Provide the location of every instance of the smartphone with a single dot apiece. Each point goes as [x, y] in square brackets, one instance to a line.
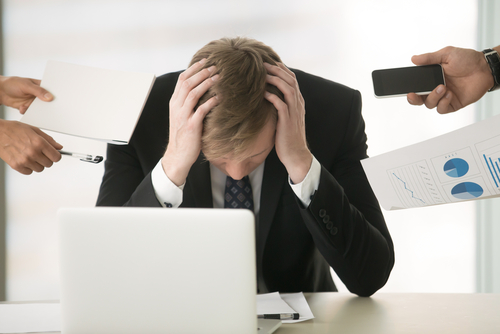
[401, 81]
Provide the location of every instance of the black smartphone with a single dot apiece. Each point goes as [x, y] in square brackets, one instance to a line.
[401, 81]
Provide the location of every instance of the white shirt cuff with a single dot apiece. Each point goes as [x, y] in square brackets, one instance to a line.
[309, 185]
[167, 193]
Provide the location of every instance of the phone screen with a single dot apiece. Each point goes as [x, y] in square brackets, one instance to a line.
[404, 80]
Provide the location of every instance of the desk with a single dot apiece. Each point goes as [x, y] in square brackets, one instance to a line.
[402, 313]
[405, 313]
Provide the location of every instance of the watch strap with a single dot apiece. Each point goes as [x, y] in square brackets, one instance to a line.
[493, 60]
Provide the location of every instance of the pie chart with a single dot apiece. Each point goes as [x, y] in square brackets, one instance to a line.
[467, 190]
[456, 167]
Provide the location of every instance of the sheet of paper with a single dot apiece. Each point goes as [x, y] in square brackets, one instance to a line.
[298, 302]
[273, 303]
[462, 165]
[28, 318]
[90, 102]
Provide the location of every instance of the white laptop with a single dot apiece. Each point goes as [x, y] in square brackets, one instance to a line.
[155, 270]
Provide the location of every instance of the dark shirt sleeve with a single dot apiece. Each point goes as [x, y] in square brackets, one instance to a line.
[344, 216]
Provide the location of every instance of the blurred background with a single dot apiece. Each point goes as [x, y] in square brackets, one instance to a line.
[445, 248]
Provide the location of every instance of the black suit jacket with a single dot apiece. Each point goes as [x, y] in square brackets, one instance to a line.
[343, 227]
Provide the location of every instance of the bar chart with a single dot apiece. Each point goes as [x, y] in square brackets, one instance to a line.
[489, 153]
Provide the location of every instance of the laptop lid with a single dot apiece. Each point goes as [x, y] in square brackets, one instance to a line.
[155, 270]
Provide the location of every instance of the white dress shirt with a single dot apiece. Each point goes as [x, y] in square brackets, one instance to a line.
[170, 195]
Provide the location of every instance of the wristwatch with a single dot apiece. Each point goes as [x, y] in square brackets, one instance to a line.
[493, 59]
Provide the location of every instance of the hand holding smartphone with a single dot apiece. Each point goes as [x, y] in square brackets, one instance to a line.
[414, 79]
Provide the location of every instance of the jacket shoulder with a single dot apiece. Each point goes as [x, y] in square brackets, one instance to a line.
[315, 86]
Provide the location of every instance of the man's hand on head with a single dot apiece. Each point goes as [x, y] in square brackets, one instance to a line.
[18, 92]
[291, 143]
[186, 124]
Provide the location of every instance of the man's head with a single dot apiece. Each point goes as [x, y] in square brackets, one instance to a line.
[243, 122]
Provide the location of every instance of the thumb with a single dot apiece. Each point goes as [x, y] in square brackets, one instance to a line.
[34, 89]
[428, 58]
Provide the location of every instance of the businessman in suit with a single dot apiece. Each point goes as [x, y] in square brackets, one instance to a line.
[236, 117]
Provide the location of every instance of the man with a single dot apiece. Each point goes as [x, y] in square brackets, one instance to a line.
[237, 111]
[23, 147]
[469, 74]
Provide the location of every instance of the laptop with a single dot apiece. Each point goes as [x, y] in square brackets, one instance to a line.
[156, 270]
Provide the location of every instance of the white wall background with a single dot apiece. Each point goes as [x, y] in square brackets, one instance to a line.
[340, 40]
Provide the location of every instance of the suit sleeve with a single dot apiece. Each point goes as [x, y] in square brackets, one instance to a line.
[124, 183]
[344, 216]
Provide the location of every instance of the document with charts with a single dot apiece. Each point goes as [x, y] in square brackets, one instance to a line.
[462, 165]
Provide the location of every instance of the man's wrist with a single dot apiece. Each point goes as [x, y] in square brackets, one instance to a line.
[167, 193]
[173, 172]
[298, 171]
[493, 60]
[174, 166]
[305, 189]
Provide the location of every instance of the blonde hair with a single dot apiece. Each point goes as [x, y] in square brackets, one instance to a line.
[232, 126]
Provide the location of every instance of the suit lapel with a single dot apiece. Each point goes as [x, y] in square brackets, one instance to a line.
[274, 178]
[198, 190]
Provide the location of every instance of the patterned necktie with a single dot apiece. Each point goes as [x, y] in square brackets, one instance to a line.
[238, 194]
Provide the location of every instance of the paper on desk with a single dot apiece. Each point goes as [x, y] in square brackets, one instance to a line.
[298, 302]
[90, 102]
[459, 166]
[274, 303]
[27, 318]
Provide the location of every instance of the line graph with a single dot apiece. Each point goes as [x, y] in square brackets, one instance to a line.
[411, 191]
[415, 185]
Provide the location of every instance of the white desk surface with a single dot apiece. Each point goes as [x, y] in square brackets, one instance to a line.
[406, 313]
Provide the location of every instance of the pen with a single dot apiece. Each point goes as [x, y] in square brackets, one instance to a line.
[95, 159]
[279, 316]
